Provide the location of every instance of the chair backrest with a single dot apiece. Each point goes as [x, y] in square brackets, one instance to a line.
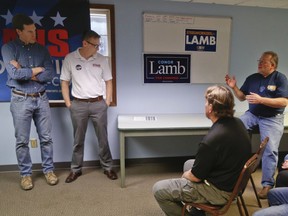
[262, 146]
[260, 152]
[242, 181]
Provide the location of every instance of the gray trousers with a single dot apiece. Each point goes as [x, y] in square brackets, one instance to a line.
[81, 112]
[171, 193]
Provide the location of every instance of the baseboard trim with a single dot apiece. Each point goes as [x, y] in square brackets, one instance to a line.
[173, 161]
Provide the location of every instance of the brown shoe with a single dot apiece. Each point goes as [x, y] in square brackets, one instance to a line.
[73, 176]
[111, 174]
[263, 193]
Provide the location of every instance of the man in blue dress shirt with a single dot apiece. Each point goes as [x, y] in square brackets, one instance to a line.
[29, 68]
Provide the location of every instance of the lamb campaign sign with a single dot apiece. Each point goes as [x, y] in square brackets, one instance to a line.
[166, 68]
[200, 40]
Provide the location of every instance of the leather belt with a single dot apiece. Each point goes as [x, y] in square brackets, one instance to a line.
[37, 94]
[89, 100]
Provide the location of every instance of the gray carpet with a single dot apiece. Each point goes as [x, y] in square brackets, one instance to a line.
[94, 194]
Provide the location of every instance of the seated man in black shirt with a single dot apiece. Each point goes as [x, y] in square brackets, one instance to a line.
[220, 158]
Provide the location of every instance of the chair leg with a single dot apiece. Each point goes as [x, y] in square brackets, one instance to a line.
[239, 207]
[244, 205]
[255, 191]
[183, 209]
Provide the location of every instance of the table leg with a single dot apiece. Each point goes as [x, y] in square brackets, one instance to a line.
[122, 158]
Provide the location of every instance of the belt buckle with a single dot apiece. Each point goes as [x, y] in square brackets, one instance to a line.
[35, 95]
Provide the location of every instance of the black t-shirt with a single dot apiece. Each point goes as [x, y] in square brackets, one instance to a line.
[222, 153]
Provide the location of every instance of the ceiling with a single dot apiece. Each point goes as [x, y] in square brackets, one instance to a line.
[283, 4]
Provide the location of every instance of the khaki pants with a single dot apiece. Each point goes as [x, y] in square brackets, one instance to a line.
[172, 192]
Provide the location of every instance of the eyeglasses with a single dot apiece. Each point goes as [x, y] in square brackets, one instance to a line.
[262, 61]
[95, 45]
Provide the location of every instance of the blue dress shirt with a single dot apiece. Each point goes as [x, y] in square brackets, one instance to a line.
[28, 56]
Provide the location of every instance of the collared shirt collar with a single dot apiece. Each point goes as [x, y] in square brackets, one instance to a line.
[78, 55]
[20, 42]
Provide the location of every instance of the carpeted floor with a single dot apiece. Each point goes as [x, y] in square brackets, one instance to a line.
[93, 194]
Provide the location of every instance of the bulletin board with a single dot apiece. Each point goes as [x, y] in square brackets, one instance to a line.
[205, 39]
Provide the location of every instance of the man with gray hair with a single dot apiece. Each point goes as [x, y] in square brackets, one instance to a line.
[220, 158]
[266, 92]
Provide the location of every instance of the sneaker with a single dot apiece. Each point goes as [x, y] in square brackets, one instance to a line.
[51, 178]
[26, 183]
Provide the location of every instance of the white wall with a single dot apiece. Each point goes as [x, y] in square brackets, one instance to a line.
[254, 30]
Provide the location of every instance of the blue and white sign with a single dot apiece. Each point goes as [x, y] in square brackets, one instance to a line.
[200, 40]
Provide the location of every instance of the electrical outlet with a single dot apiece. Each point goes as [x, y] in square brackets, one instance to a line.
[33, 142]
